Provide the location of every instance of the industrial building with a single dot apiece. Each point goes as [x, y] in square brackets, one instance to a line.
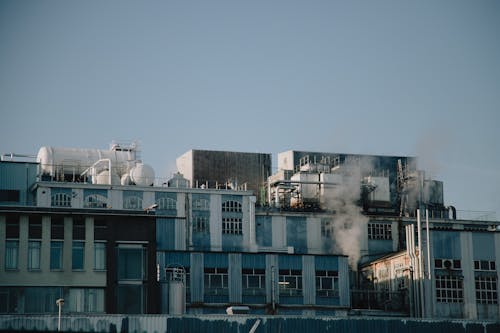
[332, 234]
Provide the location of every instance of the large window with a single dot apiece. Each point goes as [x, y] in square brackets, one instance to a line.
[216, 281]
[99, 256]
[290, 282]
[486, 290]
[60, 200]
[88, 300]
[131, 262]
[11, 254]
[56, 255]
[379, 231]
[132, 202]
[201, 204]
[34, 255]
[253, 281]
[449, 289]
[78, 255]
[131, 298]
[95, 201]
[231, 206]
[232, 225]
[326, 283]
[166, 203]
[201, 224]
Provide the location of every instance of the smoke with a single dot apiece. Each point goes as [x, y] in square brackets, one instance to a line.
[348, 221]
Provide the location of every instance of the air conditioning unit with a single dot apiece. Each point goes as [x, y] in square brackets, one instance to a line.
[448, 263]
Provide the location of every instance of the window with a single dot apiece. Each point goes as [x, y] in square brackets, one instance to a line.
[132, 202]
[290, 282]
[60, 200]
[131, 262]
[232, 225]
[56, 255]
[484, 265]
[99, 256]
[326, 283]
[231, 206]
[326, 228]
[201, 204]
[379, 231]
[253, 281]
[95, 201]
[130, 298]
[34, 255]
[57, 228]
[11, 254]
[216, 281]
[100, 229]
[166, 203]
[201, 224]
[78, 255]
[90, 300]
[35, 228]
[78, 229]
[486, 290]
[449, 289]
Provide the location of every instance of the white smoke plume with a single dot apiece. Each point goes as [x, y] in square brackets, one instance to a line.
[348, 221]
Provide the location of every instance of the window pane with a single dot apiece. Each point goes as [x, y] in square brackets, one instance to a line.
[34, 255]
[131, 264]
[99, 256]
[11, 254]
[78, 255]
[56, 255]
[130, 299]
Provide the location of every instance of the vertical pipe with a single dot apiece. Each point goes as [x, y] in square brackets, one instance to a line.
[428, 241]
[420, 266]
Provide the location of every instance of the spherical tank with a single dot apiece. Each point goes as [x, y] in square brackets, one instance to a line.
[142, 174]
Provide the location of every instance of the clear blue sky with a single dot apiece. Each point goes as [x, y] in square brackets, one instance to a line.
[372, 77]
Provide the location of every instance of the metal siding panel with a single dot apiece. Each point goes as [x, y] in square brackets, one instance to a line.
[289, 261]
[446, 244]
[197, 288]
[216, 260]
[296, 234]
[165, 234]
[309, 280]
[344, 293]
[483, 245]
[235, 287]
[249, 260]
[263, 230]
[327, 262]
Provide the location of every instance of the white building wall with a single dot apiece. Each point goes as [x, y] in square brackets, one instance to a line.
[216, 222]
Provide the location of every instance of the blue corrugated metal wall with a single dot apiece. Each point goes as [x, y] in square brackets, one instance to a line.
[18, 176]
[296, 233]
[446, 244]
[264, 230]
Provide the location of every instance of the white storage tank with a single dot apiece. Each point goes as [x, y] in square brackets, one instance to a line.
[58, 162]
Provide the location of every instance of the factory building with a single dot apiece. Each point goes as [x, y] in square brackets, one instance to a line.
[225, 169]
[332, 234]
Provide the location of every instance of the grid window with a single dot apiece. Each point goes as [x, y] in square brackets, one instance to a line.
[201, 224]
[253, 281]
[56, 255]
[132, 202]
[11, 254]
[216, 281]
[379, 231]
[35, 228]
[34, 255]
[232, 225]
[166, 203]
[326, 228]
[79, 229]
[326, 283]
[290, 282]
[99, 256]
[486, 290]
[201, 204]
[60, 200]
[231, 206]
[449, 289]
[95, 201]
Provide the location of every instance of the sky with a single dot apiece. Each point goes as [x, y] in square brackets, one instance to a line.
[410, 78]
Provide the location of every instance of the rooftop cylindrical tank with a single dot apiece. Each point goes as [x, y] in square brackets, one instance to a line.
[54, 160]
